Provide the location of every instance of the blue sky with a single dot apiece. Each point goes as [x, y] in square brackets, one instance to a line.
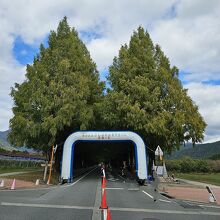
[24, 53]
[188, 32]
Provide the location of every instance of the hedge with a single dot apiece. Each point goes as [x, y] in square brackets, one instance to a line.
[19, 164]
[188, 164]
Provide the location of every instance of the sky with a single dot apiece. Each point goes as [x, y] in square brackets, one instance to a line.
[187, 31]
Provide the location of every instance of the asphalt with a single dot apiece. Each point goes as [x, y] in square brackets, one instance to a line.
[81, 199]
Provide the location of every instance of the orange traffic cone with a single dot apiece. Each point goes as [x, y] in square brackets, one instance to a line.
[108, 215]
[13, 185]
[103, 182]
[103, 202]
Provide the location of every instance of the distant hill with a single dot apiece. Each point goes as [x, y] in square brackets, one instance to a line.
[199, 151]
[4, 144]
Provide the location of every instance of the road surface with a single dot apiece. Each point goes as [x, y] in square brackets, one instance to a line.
[81, 200]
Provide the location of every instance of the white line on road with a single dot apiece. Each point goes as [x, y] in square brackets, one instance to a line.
[46, 188]
[121, 177]
[165, 211]
[115, 188]
[113, 209]
[133, 189]
[210, 206]
[148, 194]
[80, 178]
[163, 200]
[46, 206]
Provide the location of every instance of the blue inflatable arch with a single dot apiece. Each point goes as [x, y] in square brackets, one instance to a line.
[68, 150]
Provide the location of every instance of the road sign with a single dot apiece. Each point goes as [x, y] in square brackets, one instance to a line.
[158, 151]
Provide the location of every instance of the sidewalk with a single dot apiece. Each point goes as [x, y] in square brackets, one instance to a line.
[199, 183]
[20, 184]
[192, 191]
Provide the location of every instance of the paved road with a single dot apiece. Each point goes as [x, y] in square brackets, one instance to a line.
[81, 200]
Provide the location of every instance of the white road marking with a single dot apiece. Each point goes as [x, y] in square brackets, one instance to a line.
[148, 194]
[112, 179]
[46, 188]
[46, 206]
[72, 184]
[210, 206]
[133, 189]
[121, 177]
[113, 209]
[115, 188]
[163, 200]
[165, 211]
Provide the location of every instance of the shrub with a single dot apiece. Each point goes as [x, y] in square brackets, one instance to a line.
[188, 165]
[19, 164]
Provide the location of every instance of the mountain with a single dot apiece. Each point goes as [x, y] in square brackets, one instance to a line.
[199, 151]
[3, 138]
[4, 142]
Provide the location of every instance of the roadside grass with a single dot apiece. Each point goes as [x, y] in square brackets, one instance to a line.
[210, 178]
[16, 169]
[33, 175]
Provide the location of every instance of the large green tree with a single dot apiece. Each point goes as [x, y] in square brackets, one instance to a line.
[59, 94]
[146, 96]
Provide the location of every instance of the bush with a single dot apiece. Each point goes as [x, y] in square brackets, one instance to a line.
[19, 164]
[215, 164]
[188, 165]
[173, 165]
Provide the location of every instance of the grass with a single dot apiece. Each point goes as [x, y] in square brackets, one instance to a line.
[210, 178]
[33, 176]
[16, 169]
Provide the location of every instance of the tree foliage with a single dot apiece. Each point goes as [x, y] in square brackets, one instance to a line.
[146, 96]
[62, 93]
[59, 94]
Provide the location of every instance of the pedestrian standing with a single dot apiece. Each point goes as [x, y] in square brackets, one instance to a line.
[155, 185]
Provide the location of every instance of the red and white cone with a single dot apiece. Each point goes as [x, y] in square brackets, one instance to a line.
[37, 182]
[104, 202]
[108, 215]
[104, 182]
[2, 184]
[13, 185]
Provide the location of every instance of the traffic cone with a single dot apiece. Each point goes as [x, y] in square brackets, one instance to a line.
[2, 183]
[211, 199]
[37, 182]
[103, 182]
[108, 215]
[13, 185]
[103, 202]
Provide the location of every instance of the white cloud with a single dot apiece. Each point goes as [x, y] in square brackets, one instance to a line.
[208, 99]
[192, 38]
[188, 32]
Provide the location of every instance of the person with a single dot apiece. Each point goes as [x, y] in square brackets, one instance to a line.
[155, 185]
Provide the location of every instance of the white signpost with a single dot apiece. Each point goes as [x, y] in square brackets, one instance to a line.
[161, 170]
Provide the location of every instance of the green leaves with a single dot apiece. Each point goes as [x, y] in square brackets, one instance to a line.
[59, 93]
[147, 96]
[62, 93]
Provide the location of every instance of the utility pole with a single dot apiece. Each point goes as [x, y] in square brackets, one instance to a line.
[51, 163]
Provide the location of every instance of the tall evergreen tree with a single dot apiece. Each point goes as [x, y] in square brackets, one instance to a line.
[59, 94]
[146, 96]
